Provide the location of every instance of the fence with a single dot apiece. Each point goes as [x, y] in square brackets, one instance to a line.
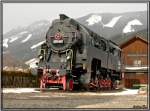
[16, 79]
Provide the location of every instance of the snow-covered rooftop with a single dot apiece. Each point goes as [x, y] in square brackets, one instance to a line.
[32, 62]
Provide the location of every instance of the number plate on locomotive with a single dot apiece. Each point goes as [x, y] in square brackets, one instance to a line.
[57, 41]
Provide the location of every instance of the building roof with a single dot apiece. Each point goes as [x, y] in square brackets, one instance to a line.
[133, 38]
[120, 39]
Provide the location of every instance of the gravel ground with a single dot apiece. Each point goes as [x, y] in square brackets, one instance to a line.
[58, 99]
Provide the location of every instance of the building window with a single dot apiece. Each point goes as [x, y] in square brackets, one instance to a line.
[137, 62]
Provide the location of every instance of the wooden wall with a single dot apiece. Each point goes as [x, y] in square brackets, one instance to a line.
[135, 78]
[135, 49]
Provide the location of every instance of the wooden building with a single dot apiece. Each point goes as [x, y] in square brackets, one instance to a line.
[135, 61]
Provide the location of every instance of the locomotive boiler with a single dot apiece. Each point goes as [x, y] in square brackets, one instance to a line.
[74, 57]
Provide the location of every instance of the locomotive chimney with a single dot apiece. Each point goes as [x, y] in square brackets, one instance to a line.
[63, 17]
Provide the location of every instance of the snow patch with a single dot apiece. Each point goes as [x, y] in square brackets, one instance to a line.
[6, 67]
[37, 45]
[112, 22]
[94, 19]
[125, 92]
[5, 43]
[19, 90]
[40, 96]
[129, 28]
[45, 96]
[40, 24]
[24, 32]
[26, 39]
[5, 52]
[13, 39]
[32, 62]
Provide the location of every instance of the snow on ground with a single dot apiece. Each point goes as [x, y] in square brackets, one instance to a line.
[94, 19]
[37, 45]
[27, 38]
[19, 90]
[129, 28]
[44, 96]
[13, 39]
[50, 96]
[125, 92]
[112, 22]
[30, 90]
[5, 43]
[5, 67]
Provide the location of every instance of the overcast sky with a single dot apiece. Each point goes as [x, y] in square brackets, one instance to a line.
[21, 14]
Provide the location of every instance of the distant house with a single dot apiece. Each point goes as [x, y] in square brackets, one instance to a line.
[134, 58]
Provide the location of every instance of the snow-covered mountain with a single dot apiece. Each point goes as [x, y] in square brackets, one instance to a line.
[21, 45]
[109, 25]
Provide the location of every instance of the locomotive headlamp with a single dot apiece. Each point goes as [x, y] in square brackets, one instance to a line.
[68, 57]
[41, 57]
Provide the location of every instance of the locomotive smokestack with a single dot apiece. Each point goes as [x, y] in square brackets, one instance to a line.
[63, 17]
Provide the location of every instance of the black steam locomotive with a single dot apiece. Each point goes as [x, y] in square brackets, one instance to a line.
[75, 57]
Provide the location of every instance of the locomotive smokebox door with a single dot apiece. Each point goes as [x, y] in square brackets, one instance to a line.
[58, 38]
